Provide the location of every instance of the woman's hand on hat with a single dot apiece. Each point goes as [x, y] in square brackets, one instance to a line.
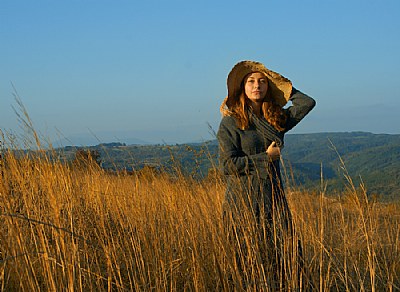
[273, 151]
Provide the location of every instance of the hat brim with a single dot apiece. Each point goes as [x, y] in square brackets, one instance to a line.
[279, 86]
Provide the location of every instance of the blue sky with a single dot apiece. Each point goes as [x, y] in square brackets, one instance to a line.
[156, 70]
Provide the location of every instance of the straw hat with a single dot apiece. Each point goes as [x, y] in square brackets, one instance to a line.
[280, 87]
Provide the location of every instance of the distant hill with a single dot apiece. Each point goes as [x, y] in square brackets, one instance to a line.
[85, 139]
[375, 158]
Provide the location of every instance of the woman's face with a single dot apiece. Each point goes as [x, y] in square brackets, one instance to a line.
[256, 87]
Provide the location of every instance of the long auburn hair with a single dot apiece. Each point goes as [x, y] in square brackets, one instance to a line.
[238, 107]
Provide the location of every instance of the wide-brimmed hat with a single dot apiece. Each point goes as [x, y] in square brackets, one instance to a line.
[280, 87]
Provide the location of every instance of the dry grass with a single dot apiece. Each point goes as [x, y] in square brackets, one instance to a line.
[85, 230]
[74, 228]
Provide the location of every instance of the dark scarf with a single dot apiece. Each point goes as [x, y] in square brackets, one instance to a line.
[267, 131]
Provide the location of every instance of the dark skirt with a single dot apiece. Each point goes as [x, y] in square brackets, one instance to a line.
[259, 226]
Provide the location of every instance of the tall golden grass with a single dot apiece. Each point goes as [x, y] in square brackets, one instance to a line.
[64, 228]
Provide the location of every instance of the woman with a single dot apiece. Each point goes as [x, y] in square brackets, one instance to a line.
[251, 136]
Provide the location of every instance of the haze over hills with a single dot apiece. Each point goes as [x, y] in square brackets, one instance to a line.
[164, 135]
[373, 159]
[92, 140]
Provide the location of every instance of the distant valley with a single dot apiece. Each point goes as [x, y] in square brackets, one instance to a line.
[313, 161]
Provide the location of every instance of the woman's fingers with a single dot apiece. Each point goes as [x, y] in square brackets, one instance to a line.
[273, 151]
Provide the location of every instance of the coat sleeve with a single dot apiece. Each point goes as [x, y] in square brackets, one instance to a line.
[233, 161]
[302, 104]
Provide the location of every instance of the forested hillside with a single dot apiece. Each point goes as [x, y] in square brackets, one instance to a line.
[372, 158]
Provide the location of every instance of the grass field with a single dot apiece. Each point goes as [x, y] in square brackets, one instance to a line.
[70, 228]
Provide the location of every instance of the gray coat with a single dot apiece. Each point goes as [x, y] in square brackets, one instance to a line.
[252, 181]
